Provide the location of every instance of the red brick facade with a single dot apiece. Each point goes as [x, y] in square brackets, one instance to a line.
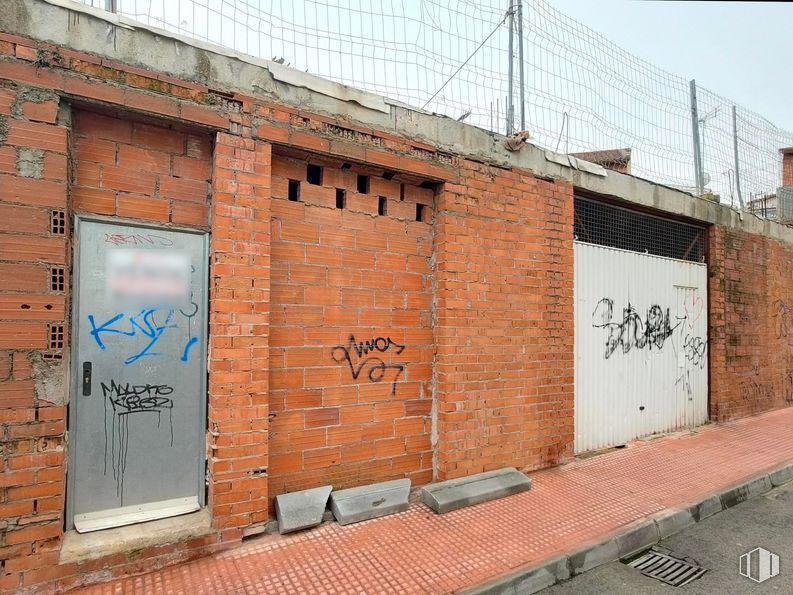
[751, 324]
[504, 329]
[351, 332]
[378, 308]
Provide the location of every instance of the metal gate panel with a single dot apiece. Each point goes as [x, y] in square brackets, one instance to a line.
[137, 410]
[640, 345]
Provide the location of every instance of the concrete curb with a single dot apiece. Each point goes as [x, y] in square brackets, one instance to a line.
[629, 540]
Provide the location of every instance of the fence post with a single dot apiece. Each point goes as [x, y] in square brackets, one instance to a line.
[110, 5]
[737, 161]
[510, 76]
[695, 137]
[520, 62]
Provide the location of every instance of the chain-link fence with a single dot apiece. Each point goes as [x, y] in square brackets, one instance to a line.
[580, 92]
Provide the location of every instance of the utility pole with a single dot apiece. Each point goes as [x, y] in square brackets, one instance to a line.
[735, 151]
[510, 76]
[520, 63]
[700, 183]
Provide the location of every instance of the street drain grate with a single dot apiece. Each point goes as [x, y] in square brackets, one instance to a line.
[667, 569]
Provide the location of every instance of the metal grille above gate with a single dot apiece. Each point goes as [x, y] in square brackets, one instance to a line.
[616, 227]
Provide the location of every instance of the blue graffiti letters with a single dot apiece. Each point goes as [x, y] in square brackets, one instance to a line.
[149, 323]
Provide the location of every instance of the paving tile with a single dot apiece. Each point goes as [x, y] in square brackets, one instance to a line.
[418, 551]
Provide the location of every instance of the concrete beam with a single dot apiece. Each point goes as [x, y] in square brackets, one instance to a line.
[371, 501]
[301, 510]
[474, 489]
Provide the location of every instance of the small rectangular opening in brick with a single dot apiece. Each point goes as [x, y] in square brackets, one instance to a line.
[314, 174]
[420, 212]
[382, 205]
[363, 184]
[388, 175]
[294, 190]
[401, 192]
[58, 222]
[57, 279]
[56, 335]
[341, 198]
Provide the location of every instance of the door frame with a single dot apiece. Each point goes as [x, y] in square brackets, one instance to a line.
[74, 385]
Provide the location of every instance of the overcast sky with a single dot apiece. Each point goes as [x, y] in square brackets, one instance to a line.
[741, 50]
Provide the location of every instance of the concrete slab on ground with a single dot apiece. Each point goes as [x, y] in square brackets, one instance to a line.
[370, 502]
[301, 510]
[454, 494]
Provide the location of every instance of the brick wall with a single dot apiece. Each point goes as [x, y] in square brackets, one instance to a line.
[750, 325]
[455, 279]
[33, 278]
[787, 167]
[140, 171]
[351, 331]
[504, 329]
[239, 335]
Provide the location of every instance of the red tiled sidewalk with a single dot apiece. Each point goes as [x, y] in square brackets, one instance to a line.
[421, 552]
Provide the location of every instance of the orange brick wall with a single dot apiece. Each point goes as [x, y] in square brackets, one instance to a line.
[239, 318]
[340, 273]
[504, 329]
[751, 324]
[34, 229]
[472, 307]
[140, 171]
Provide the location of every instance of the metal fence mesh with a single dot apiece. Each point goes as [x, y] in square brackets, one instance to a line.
[581, 91]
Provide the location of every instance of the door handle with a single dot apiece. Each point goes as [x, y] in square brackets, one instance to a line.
[87, 379]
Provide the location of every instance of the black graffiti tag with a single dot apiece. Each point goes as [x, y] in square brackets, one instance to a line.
[633, 331]
[694, 349]
[376, 366]
[128, 399]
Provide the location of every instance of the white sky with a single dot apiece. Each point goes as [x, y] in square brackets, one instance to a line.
[741, 50]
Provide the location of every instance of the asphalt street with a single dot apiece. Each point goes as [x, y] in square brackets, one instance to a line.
[717, 544]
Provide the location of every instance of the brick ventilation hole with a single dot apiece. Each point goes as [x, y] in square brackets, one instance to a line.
[363, 184]
[341, 198]
[294, 190]
[382, 205]
[401, 192]
[57, 279]
[420, 212]
[55, 339]
[58, 223]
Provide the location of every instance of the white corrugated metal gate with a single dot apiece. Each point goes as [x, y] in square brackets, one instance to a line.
[640, 345]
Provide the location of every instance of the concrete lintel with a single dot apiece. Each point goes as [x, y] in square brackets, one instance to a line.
[301, 510]
[370, 502]
[458, 493]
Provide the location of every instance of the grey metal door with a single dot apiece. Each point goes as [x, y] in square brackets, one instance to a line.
[137, 406]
